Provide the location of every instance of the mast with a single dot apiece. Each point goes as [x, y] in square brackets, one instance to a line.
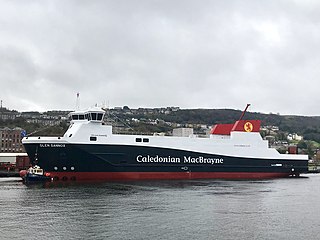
[244, 111]
[78, 101]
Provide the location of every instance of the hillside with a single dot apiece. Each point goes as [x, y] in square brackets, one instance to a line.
[163, 120]
[309, 127]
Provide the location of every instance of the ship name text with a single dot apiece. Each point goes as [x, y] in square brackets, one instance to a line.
[185, 159]
[52, 145]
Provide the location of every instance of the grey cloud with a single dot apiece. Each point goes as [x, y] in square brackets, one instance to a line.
[217, 54]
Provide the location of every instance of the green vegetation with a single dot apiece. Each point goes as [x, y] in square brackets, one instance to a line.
[163, 120]
[309, 127]
[35, 129]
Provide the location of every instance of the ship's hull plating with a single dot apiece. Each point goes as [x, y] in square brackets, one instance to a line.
[126, 162]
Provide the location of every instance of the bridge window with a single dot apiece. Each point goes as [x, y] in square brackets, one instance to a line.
[100, 115]
[93, 116]
[78, 117]
[75, 117]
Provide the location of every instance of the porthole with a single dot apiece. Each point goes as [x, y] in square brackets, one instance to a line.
[64, 168]
[55, 168]
[72, 168]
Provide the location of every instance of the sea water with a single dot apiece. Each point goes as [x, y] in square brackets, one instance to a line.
[286, 208]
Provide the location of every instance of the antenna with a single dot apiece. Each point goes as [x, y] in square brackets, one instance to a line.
[105, 104]
[78, 101]
[244, 111]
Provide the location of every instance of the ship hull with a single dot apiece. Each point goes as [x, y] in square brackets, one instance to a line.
[128, 162]
[137, 176]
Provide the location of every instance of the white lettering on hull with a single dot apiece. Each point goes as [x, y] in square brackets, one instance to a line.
[52, 145]
[202, 160]
[185, 160]
[157, 159]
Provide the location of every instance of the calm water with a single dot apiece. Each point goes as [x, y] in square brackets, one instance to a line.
[206, 209]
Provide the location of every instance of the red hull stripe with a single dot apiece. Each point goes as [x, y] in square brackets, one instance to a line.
[81, 176]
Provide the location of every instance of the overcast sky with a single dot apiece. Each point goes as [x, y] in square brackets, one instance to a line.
[158, 53]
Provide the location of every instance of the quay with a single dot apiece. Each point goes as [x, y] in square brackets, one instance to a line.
[9, 174]
[12, 163]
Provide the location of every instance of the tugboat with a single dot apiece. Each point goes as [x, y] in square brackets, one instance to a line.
[34, 174]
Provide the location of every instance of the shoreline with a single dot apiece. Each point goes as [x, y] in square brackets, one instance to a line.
[9, 174]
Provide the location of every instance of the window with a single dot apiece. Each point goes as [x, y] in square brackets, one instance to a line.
[93, 116]
[146, 140]
[93, 138]
[138, 140]
[81, 117]
[75, 117]
[100, 115]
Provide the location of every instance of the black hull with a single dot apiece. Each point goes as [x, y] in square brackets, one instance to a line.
[92, 161]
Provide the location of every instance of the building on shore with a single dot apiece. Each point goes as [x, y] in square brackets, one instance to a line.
[14, 161]
[182, 132]
[10, 140]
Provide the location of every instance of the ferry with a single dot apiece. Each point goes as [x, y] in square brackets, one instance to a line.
[89, 150]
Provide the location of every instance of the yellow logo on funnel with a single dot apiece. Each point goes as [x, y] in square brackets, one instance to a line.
[248, 127]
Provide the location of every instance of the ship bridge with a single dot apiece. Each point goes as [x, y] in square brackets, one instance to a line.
[85, 124]
[93, 115]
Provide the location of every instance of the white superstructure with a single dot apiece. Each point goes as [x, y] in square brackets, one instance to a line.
[87, 128]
